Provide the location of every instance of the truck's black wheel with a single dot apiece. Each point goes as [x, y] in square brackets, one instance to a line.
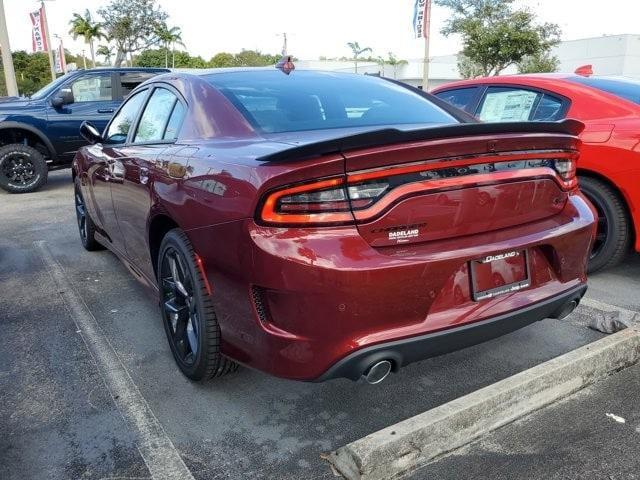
[22, 168]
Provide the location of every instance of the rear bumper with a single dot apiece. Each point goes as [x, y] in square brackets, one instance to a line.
[409, 350]
[296, 302]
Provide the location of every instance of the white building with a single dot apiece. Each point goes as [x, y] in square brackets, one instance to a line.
[609, 55]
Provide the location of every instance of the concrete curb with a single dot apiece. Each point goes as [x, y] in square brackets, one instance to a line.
[405, 446]
[608, 318]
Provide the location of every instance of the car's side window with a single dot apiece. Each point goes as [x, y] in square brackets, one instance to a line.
[92, 88]
[507, 105]
[121, 123]
[462, 98]
[130, 80]
[513, 104]
[549, 109]
[161, 118]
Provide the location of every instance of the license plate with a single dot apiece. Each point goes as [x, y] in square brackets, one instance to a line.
[499, 274]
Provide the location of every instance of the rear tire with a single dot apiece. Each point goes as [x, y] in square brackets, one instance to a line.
[23, 169]
[86, 227]
[188, 316]
[613, 237]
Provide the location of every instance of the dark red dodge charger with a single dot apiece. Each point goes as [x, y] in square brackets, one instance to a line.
[322, 225]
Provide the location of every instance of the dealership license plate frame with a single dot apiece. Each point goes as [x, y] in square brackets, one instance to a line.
[478, 295]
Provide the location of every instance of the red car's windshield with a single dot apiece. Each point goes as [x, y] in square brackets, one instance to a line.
[273, 102]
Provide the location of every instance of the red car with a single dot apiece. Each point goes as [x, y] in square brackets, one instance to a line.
[609, 166]
[322, 225]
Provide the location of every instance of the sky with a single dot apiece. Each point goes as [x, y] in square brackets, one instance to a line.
[320, 28]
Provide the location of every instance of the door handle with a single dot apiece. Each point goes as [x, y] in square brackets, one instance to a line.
[105, 110]
[144, 175]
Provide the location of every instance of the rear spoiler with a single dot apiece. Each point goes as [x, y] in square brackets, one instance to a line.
[389, 136]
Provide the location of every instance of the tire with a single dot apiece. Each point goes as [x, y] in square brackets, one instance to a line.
[613, 236]
[86, 227]
[22, 168]
[187, 311]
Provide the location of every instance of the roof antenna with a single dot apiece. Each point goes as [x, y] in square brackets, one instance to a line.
[286, 64]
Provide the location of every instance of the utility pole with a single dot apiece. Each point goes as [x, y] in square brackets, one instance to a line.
[48, 38]
[7, 59]
[284, 44]
[427, 34]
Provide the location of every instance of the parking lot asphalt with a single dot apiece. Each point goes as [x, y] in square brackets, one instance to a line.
[59, 420]
[577, 438]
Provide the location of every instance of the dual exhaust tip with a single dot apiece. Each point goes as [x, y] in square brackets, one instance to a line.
[377, 372]
[565, 310]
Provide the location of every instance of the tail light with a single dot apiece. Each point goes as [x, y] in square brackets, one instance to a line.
[363, 195]
[566, 169]
[324, 202]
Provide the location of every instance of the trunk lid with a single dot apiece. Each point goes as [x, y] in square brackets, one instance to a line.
[456, 186]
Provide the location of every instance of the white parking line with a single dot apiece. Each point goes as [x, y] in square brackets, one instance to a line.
[155, 447]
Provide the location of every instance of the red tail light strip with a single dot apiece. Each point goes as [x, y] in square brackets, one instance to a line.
[452, 163]
[448, 184]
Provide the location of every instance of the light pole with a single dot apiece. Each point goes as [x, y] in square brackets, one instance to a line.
[48, 38]
[7, 59]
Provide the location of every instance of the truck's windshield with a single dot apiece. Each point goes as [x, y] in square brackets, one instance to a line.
[49, 87]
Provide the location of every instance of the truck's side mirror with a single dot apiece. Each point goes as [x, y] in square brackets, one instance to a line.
[62, 98]
[90, 133]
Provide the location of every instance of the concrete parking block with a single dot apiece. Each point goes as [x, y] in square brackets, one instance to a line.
[405, 446]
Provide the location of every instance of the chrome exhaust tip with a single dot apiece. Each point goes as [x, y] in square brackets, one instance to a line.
[566, 309]
[377, 372]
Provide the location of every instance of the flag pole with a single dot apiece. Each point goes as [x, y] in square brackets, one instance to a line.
[48, 38]
[426, 35]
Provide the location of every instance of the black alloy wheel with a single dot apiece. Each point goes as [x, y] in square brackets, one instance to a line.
[188, 315]
[86, 227]
[613, 234]
[23, 169]
[180, 307]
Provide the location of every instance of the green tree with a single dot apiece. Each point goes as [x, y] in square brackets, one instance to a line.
[132, 25]
[541, 63]
[84, 26]
[105, 51]
[32, 71]
[495, 35]
[395, 62]
[254, 58]
[170, 37]
[222, 59]
[357, 51]
[156, 58]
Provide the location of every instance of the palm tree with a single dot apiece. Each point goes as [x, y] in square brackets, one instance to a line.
[85, 27]
[170, 37]
[395, 63]
[357, 51]
[106, 51]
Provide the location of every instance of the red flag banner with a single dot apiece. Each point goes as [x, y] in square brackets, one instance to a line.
[38, 37]
[421, 18]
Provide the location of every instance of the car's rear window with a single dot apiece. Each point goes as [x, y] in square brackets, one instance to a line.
[274, 102]
[620, 87]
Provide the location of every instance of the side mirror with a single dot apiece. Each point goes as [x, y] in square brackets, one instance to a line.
[62, 98]
[90, 133]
